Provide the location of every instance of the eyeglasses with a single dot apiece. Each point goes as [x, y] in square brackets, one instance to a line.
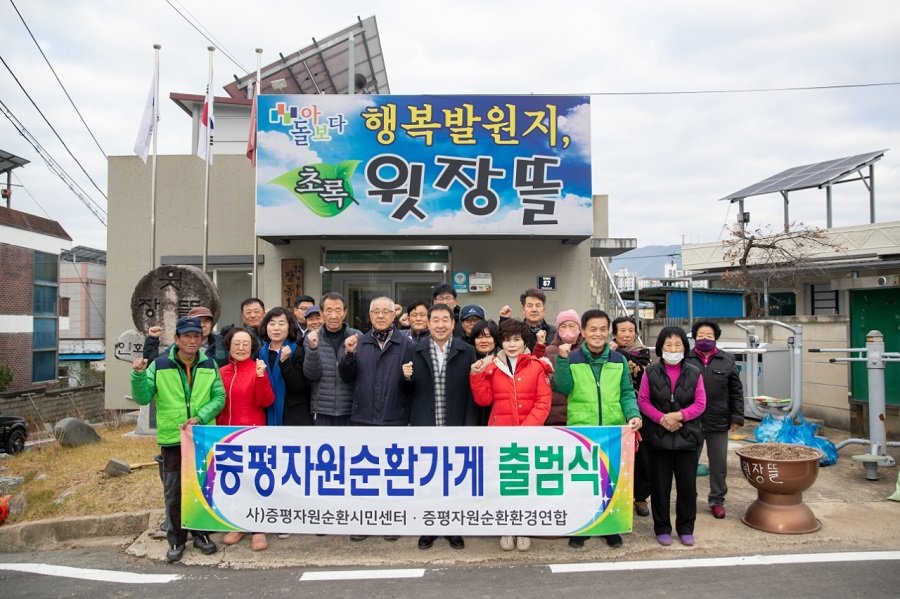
[381, 312]
[444, 298]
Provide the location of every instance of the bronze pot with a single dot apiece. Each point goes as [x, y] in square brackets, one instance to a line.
[780, 482]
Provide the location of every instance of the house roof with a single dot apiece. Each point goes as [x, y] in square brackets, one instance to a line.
[30, 222]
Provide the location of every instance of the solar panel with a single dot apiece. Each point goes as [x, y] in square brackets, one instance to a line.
[322, 67]
[10, 161]
[808, 176]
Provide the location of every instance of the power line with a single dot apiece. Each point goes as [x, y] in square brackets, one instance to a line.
[205, 33]
[34, 199]
[54, 166]
[27, 95]
[47, 60]
[741, 91]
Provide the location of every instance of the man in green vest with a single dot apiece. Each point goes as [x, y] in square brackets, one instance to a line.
[598, 384]
[188, 391]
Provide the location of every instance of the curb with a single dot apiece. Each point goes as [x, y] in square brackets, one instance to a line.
[45, 534]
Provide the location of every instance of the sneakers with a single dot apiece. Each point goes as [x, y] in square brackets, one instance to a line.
[614, 541]
[174, 553]
[507, 543]
[718, 511]
[687, 540]
[641, 509]
[259, 542]
[204, 544]
[523, 543]
[233, 538]
[576, 542]
[664, 540]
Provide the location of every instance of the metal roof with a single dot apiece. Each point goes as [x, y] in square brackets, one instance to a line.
[10, 161]
[81, 253]
[818, 175]
[324, 66]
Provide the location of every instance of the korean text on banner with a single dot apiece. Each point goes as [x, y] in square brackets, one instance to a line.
[424, 165]
[404, 481]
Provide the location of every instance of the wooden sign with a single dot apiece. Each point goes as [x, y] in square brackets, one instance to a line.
[291, 281]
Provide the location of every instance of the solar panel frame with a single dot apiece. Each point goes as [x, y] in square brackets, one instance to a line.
[808, 176]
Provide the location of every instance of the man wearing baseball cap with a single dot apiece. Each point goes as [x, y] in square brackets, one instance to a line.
[188, 390]
[469, 316]
[211, 344]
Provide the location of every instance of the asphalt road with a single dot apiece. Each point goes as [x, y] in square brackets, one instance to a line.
[820, 576]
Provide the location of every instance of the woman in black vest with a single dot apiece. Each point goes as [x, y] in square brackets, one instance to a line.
[672, 399]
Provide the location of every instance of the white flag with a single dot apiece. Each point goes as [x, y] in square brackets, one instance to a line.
[207, 128]
[145, 132]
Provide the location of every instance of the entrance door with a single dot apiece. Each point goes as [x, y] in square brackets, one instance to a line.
[361, 288]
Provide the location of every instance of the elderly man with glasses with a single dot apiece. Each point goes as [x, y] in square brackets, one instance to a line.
[374, 364]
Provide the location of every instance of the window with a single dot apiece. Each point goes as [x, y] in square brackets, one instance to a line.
[45, 339]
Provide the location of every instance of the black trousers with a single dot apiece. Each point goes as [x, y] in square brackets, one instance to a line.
[683, 465]
[171, 476]
[642, 473]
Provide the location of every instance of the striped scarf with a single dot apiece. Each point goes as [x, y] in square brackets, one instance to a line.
[440, 382]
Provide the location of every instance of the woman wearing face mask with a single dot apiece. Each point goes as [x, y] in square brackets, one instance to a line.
[568, 330]
[248, 393]
[724, 406]
[672, 399]
[517, 385]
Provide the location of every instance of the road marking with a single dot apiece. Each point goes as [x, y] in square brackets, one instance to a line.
[90, 574]
[362, 574]
[714, 562]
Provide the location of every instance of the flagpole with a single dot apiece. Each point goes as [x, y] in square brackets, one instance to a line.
[209, 134]
[155, 121]
[255, 98]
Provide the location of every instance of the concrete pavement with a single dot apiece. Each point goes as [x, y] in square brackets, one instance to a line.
[855, 516]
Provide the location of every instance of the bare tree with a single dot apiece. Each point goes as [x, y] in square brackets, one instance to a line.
[762, 256]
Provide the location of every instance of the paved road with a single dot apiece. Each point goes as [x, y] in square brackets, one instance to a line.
[74, 572]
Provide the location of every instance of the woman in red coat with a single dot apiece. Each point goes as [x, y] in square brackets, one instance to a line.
[516, 384]
[248, 393]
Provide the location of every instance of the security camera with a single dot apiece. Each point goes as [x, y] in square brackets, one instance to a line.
[881, 281]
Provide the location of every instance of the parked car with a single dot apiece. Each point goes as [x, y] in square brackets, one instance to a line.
[13, 432]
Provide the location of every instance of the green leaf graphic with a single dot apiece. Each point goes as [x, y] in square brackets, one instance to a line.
[299, 182]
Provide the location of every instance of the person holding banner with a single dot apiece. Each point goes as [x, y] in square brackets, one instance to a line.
[248, 393]
[517, 385]
[373, 364]
[598, 385]
[673, 399]
[188, 390]
[626, 342]
[436, 376]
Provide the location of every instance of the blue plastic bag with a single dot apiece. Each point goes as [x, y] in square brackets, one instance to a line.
[767, 429]
[804, 433]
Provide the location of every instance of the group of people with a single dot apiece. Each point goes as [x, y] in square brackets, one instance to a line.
[439, 364]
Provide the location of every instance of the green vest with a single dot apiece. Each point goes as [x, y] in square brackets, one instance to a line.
[596, 389]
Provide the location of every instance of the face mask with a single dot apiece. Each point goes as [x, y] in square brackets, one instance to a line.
[705, 345]
[673, 357]
[568, 336]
